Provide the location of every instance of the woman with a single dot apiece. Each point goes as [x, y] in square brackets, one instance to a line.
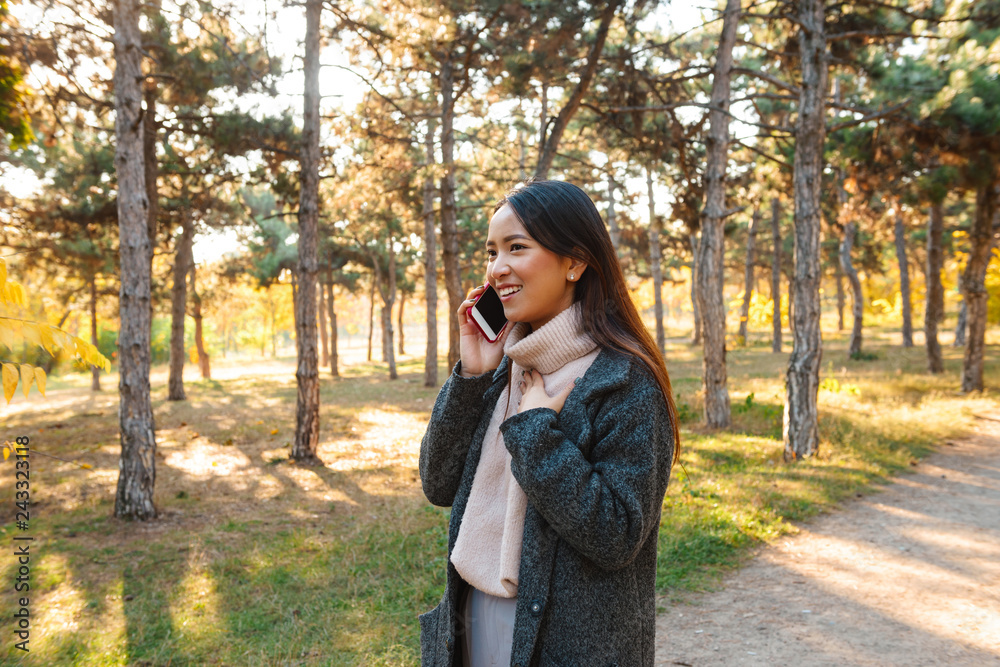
[553, 446]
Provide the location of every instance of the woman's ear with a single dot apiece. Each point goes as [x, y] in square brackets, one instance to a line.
[575, 270]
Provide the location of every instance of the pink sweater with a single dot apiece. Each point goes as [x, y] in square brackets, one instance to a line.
[487, 551]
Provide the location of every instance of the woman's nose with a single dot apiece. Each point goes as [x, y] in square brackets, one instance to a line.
[498, 267]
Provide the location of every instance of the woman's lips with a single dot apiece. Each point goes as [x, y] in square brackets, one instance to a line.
[510, 296]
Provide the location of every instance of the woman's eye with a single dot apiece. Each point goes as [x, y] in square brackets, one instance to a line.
[491, 253]
[517, 246]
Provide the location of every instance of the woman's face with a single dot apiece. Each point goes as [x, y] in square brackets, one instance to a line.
[533, 282]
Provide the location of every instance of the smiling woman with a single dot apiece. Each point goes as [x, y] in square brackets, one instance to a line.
[534, 283]
[553, 446]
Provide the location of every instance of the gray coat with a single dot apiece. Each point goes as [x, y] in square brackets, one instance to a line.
[595, 476]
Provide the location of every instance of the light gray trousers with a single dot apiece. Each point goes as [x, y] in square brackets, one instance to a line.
[488, 629]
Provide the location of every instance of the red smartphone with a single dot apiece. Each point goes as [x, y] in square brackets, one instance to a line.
[487, 314]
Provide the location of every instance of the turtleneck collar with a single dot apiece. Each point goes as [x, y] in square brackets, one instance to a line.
[555, 344]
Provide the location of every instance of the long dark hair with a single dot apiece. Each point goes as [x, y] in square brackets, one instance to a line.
[562, 218]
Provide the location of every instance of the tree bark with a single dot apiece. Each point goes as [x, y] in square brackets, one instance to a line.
[449, 222]
[307, 370]
[800, 429]
[95, 372]
[332, 313]
[962, 326]
[695, 308]
[178, 300]
[974, 286]
[137, 466]
[711, 248]
[899, 232]
[748, 281]
[655, 256]
[838, 274]
[552, 138]
[387, 290]
[324, 343]
[857, 299]
[934, 303]
[430, 265]
[776, 275]
[199, 340]
[616, 236]
[152, 165]
[399, 321]
[371, 315]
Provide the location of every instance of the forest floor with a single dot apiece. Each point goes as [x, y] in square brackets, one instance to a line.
[909, 576]
[256, 561]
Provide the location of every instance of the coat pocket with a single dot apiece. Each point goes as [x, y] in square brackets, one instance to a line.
[429, 644]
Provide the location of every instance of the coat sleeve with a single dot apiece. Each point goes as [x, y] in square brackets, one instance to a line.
[456, 414]
[607, 506]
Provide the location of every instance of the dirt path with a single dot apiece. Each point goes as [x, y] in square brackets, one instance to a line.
[909, 576]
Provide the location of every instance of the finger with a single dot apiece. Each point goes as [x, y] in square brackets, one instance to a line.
[567, 389]
[470, 301]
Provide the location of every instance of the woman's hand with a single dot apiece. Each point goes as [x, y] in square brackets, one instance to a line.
[533, 393]
[478, 354]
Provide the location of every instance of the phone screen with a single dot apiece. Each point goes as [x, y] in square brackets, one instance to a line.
[488, 314]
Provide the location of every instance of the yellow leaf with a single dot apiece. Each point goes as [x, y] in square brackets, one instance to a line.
[13, 293]
[31, 333]
[27, 377]
[274, 432]
[9, 381]
[6, 453]
[40, 380]
[10, 332]
[48, 341]
[3, 272]
[86, 466]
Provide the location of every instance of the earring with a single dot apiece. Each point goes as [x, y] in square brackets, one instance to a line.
[571, 276]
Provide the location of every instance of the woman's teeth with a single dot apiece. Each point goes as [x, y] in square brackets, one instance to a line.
[509, 290]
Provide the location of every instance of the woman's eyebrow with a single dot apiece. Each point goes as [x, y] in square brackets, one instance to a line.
[509, 239]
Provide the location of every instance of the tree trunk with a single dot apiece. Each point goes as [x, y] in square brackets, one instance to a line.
[962, 325]
[449, 223]
[371, 316]
[203, 361]
[561, 122]
[307, 370]
[151, 164]
[748, 282]
[655, 264]
[137, 466]
[430, 265]
[711, 248]
[332, 312]
[178, 310]
[974, 286]
[399, 321]
[695, 308]
[934, 304]
[95, 372]
[776, 275]
[324, 343]
[387, 290]
[904, 277]
[616, 236]
[838, 273]
[801, 420]
[857, 298]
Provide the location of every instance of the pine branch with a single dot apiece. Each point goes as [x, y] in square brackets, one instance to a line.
[872, 116]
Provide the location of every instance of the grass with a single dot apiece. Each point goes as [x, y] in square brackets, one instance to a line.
[255, 561]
